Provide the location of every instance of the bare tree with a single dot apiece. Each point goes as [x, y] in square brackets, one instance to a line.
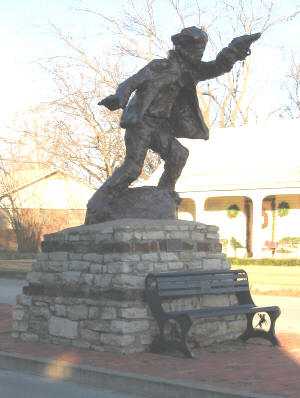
[293, 89]
[26, 223]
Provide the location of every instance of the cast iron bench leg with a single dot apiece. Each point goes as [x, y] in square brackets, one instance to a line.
[159, 344]
[268, 335]
[177, 338]
[185, 325]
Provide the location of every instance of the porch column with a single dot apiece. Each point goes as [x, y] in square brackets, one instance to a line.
[257, 232]
[200, 210]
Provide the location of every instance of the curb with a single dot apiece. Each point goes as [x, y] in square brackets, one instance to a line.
[130, 383]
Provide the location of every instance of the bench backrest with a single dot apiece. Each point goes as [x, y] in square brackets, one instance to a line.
[183, 284]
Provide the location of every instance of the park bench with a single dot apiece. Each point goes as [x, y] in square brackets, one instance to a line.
[175, 285]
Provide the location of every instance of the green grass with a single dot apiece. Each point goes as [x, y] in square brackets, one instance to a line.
[273, 280]
[288, 262]
[15, 268]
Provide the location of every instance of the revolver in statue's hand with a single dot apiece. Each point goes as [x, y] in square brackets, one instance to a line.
[111, 102]
[241, 45]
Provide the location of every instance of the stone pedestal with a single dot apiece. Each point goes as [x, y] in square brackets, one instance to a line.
[86, 288]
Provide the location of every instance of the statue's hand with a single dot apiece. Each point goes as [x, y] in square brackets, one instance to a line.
[118, 100]
[241, 45]
[111, 102]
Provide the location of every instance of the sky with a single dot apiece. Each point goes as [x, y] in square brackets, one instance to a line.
[26, 38]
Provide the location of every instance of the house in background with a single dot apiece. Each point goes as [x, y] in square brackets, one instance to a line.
[58, 197]
[247, 182]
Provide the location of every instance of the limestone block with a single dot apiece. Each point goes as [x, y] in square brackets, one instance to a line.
[221, 300]
[169, 256]
[108, 313]
[34, 277]
[50, 278]
[129, 281]
[212, 263]
[93, 257]
[22, 299]
[36, 266]
[42, 312]
[60, 310]
[212, 236]
[98, 325]
[63, 327]
[175, 266]
[130, 257]
[117, 340]
[87, 278]
[212, 228]
[71, 277]
[145, 266]
[20, 325]
[150, 235]
[238, 325]
[193, 265]
[161, 267]
[52, 266]
[98, 268]
[42, 256]
[103, 281]
[77, 265]
[19, 314]
[38, 326]
[124, 326]
[30, 337]
[146, 339]
[58, 256]
[179, 235]
[150, 257]
[101, 237]
[133, 313]
[77, 312]
[81, 344]
[90, 335]
[119, 267]
[75, 256]
[198, 236]
[73, 238]
[124, 236]
[93, 312]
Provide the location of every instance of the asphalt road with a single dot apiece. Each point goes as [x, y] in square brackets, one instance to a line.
[19, 385]
[9, 288]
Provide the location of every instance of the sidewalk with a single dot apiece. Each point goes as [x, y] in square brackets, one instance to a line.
[221, 370]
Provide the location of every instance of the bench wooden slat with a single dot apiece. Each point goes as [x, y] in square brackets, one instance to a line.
[212, 312]
[192, 292]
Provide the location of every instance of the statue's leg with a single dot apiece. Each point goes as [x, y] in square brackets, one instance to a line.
[175, 156]
[137, 144]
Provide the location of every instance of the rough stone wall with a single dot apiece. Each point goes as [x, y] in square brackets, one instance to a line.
[87, 287]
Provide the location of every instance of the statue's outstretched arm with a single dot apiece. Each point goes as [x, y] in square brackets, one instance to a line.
[237, 50]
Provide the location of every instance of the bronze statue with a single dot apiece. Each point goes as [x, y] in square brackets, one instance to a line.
[165, 106]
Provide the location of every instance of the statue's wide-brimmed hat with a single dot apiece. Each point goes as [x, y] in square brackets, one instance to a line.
[191, 35]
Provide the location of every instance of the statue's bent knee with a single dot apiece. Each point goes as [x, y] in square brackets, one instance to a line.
[132, 168]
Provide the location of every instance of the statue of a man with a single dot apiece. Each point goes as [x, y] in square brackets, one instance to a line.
[165, 107]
